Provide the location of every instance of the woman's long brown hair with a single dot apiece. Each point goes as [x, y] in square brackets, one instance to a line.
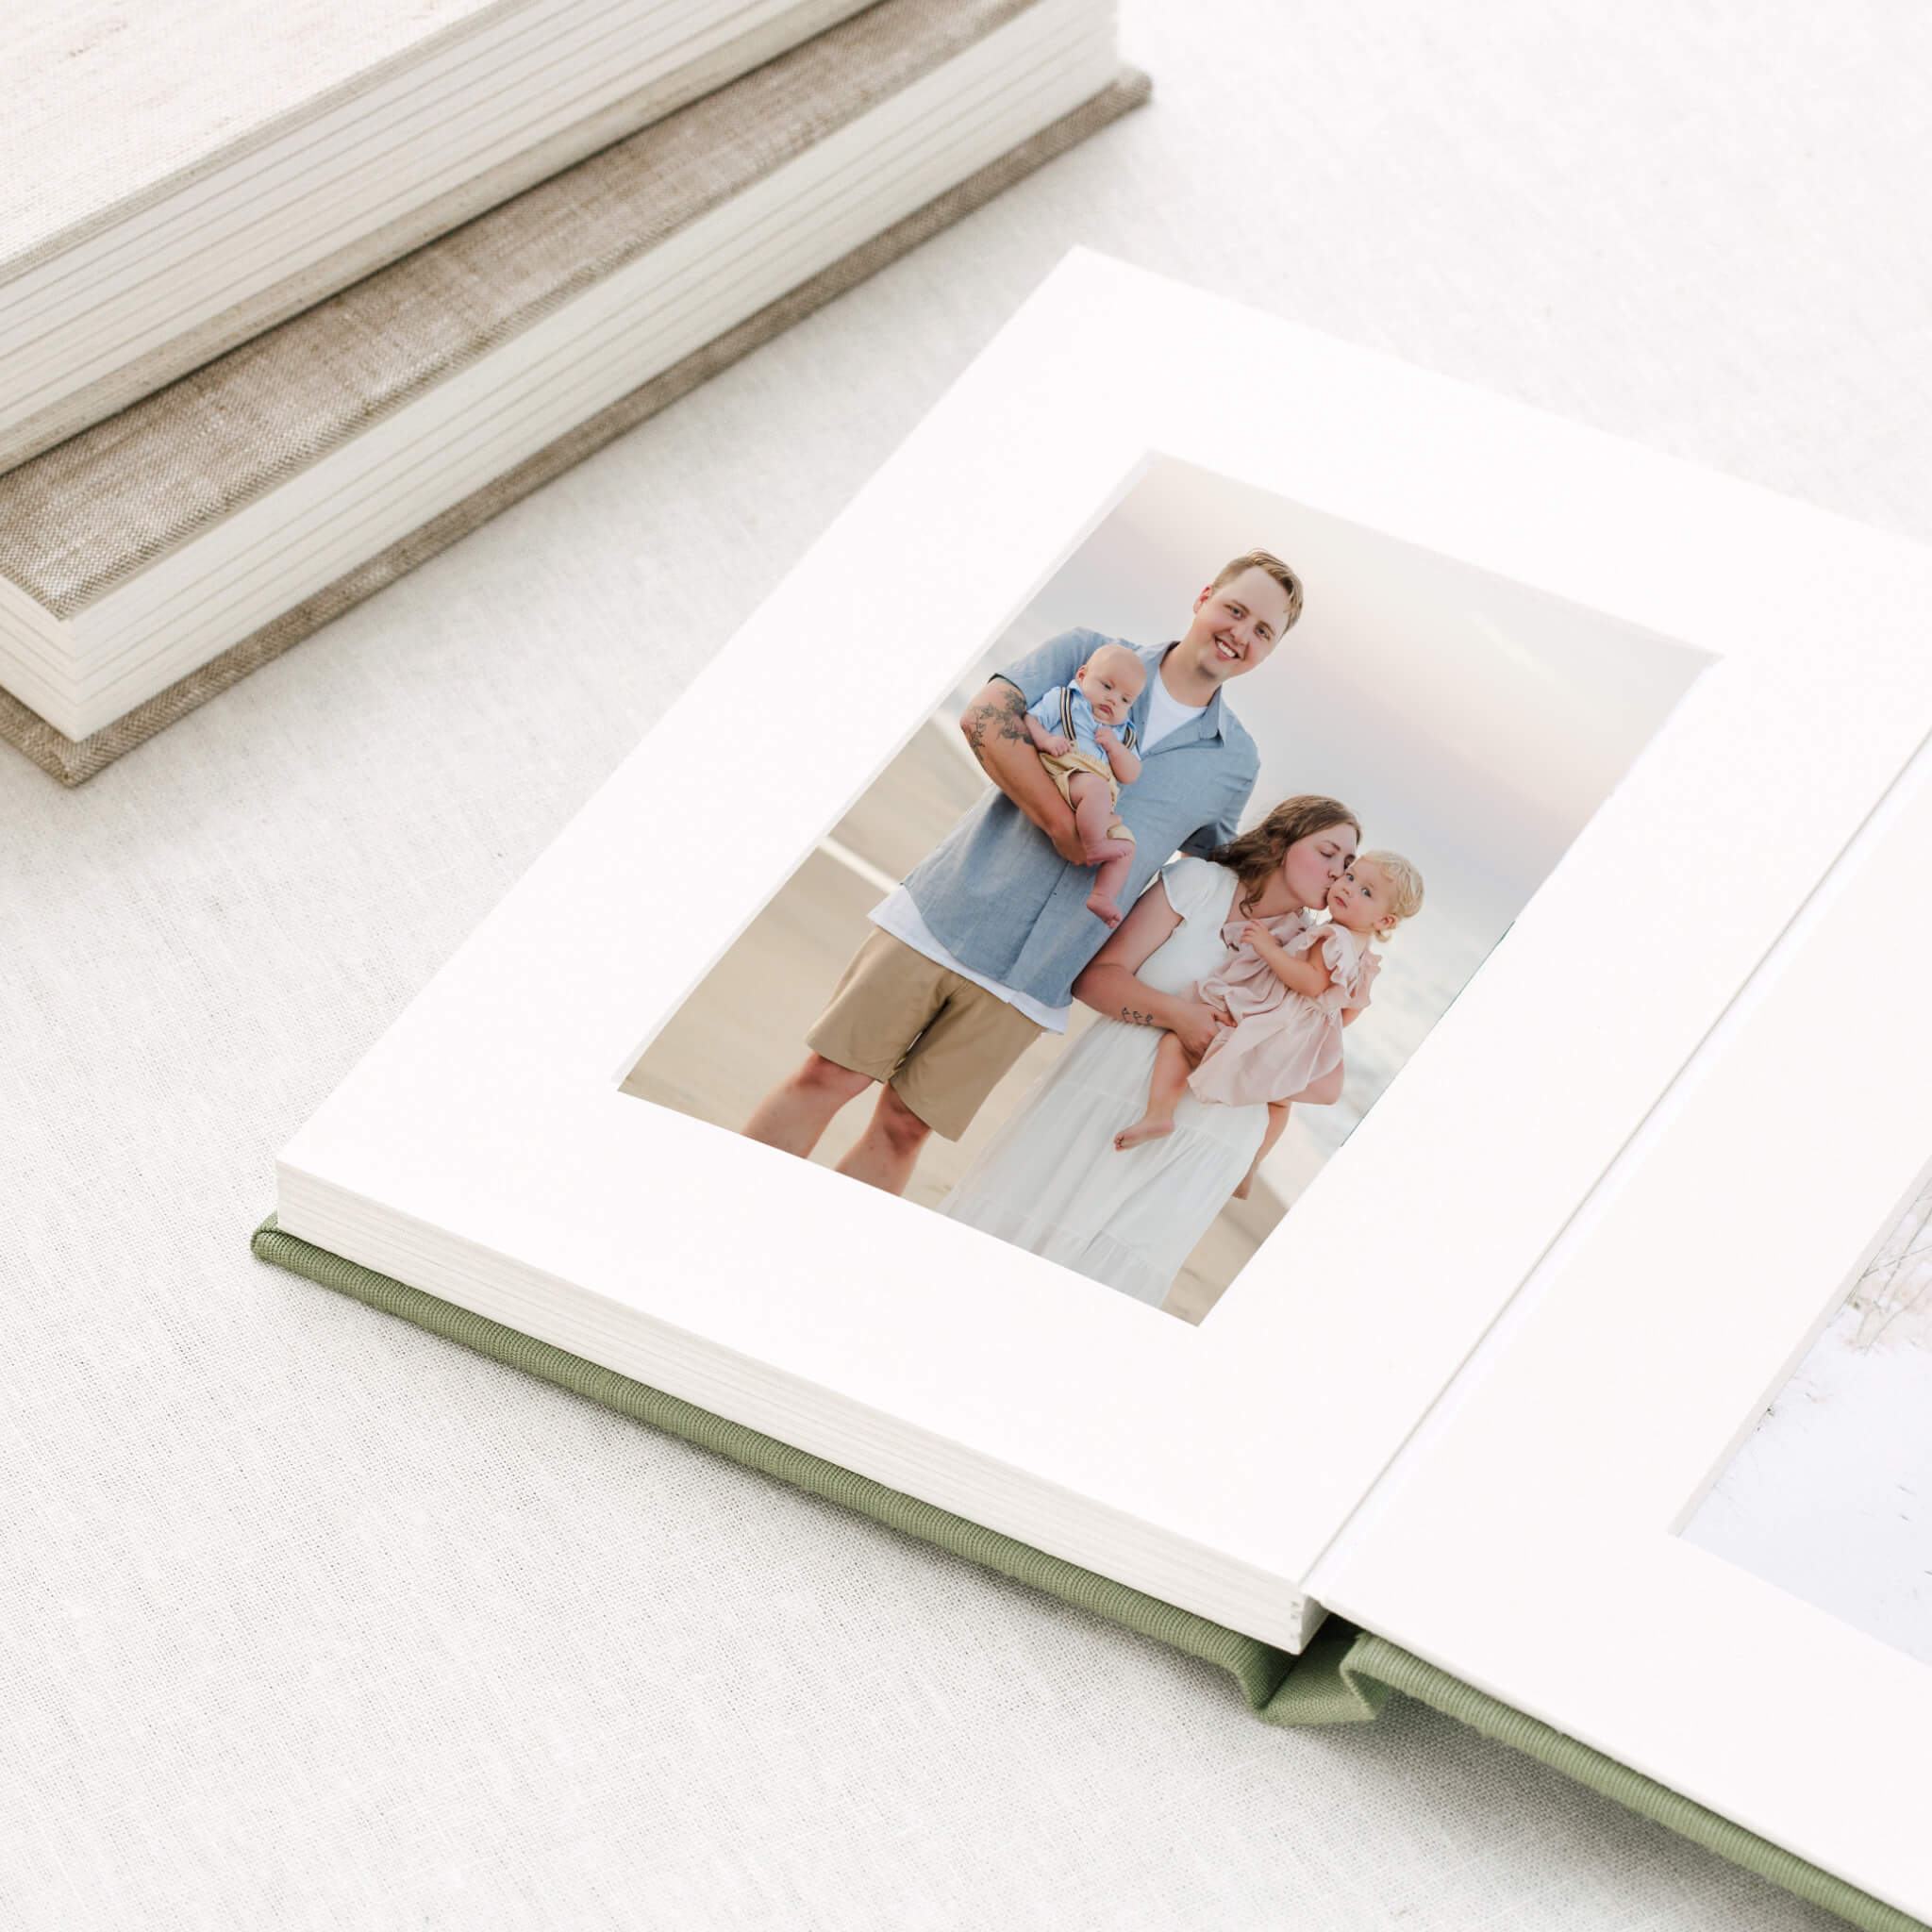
[1255, 854]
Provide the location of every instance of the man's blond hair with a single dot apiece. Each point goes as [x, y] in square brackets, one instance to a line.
[1264, 561]
[1405, 881]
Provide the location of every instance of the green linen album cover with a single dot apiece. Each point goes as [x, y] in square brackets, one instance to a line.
[1344, 1676]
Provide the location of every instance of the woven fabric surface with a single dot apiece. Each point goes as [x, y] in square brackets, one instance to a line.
[91, 512]
[310, 1619]
[65, 60]
[264, 308]
[73, 761]
[1257, 1668]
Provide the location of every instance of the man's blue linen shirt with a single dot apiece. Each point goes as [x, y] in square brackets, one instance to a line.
[995, 893]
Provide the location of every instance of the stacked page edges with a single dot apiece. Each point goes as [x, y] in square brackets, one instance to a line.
[1344, 1676]
[102, 646]
[145, 269]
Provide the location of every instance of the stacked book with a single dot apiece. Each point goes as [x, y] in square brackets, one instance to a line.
[261, 351]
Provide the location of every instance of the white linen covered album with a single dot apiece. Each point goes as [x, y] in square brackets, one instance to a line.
[181, 219]
[213, 522]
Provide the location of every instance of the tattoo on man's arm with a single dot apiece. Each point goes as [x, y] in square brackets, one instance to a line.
[1005, 720]
[1134, 1018]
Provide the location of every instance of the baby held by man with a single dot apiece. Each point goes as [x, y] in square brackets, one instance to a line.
[1081, 733]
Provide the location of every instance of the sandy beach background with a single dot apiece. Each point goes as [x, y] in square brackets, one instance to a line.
[1831, 1497]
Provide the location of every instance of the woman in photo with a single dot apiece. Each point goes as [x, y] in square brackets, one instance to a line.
[1053, 1181]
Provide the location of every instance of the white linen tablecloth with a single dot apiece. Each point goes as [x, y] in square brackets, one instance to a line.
[308, 1619]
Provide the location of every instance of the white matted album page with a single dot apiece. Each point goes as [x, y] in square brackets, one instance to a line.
[1550, 1534]
[486, 1149]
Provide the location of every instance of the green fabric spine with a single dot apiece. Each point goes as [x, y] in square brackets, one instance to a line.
[1344, 1676]
[1394, 1669]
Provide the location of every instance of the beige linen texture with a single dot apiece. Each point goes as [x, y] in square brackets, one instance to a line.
[45, 213]
[88, 514]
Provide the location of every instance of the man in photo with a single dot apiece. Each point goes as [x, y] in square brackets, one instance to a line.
[976, 954]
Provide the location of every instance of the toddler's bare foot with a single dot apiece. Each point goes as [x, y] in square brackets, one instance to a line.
[1147, 1129]
[1103, 909]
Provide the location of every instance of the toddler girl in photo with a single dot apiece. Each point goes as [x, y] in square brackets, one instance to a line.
[1081, 733]
[1285, 985]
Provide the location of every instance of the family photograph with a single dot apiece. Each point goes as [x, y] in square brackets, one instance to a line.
[1220, 999]
[1110, 961]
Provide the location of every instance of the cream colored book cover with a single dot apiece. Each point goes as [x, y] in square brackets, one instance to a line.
[150, 220]
[146, 563]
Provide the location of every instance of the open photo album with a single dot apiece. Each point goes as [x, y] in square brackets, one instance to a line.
[1300, 990]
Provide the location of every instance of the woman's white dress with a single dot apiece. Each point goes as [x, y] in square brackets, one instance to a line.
[1050, 1181]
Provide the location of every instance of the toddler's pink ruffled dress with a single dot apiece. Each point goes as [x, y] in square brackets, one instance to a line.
[1280, 1042]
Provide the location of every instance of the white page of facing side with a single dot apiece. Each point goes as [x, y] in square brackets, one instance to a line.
[1526, 1538]
[482, 1150]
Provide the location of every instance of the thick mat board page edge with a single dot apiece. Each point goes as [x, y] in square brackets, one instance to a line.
[1344, 1676]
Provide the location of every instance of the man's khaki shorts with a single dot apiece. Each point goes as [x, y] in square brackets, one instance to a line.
[941, 1044]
